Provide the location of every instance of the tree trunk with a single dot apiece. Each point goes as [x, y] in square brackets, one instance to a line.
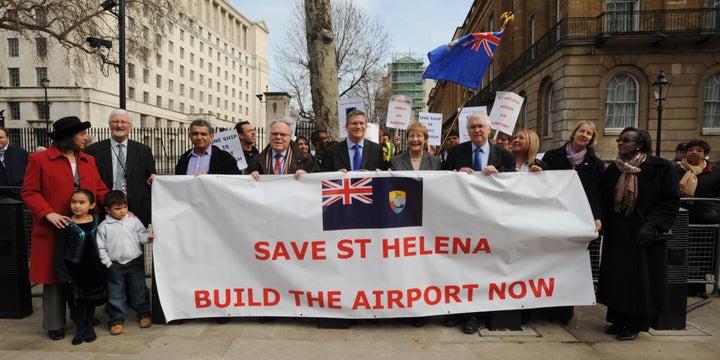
[323, 65]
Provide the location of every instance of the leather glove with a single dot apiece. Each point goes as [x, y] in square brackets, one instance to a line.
[645, 236]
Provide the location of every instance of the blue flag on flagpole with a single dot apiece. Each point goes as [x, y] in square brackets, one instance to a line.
[465, 60]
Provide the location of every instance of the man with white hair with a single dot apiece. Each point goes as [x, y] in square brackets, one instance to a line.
[478, 154]
[125, 164]
[281, 156]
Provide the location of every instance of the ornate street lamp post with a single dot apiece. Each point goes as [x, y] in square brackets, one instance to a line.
[660, 88]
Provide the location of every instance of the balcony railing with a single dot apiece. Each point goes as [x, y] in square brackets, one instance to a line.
[595, 30]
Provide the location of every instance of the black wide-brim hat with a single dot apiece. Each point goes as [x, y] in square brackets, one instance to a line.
[68, 126]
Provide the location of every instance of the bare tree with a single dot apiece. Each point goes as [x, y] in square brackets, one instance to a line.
[361, 45]
[71, 22]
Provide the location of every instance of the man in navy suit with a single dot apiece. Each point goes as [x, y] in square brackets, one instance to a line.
[126, 165]
[13, 161]
[355, 153]
[492, 158]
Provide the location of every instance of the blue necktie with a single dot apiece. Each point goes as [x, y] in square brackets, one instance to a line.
[477, 161]
[357, 158]
[120, 169]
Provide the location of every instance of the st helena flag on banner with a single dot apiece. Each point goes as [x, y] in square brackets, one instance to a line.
[372, 203]
[465, 60]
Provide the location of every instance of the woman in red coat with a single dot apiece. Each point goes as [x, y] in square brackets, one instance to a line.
[50, 179]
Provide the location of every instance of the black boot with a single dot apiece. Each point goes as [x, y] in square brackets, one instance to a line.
[80, 334]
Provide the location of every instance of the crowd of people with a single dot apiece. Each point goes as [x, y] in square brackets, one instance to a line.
[91, 203]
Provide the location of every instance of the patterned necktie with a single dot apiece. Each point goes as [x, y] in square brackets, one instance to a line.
[120, 169]
[477, 161]
[277, 169]
[357, 158]
[2, 156]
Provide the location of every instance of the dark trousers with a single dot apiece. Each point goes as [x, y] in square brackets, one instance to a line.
[130, 277]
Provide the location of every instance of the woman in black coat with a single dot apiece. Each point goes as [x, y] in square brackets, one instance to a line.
[640, 199]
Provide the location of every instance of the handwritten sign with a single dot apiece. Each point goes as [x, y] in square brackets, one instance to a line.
[399, 112]
[230, 142]
[505, 111]
[433, 122]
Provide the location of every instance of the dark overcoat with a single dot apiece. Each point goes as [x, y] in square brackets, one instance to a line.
[633, 279]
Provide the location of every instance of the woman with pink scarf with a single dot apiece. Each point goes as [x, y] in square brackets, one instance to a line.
[640, 199]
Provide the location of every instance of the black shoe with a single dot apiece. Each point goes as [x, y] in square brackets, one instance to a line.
[471, 325]
[418, 322]
[79, 336]
[56, 334]
[614, 329]
[627, 334]
[450, 321]
[90, 335]
[223, 320]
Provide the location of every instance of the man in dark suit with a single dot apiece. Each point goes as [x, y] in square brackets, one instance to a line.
[126, 165]
[205, 158]
[13, 161]
[355, 153]
[478, 154]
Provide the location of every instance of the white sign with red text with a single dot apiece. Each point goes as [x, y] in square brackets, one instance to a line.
[474, 248]
[399, 112]
[505, 111]
[433, 123]
[465, 114]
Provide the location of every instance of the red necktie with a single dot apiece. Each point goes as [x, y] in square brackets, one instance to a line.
[278, 165]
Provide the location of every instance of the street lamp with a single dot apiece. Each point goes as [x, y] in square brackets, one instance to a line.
[660, 88]
[45, 83]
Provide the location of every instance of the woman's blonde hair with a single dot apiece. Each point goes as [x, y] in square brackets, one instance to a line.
[419, 127]
[593, 140]
[533, 144]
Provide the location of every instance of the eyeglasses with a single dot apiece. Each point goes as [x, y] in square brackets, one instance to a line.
[624, 140]
[118, 122]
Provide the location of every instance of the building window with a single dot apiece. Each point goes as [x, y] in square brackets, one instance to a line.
[621, 102]
[192, 109]
[622, 15]
[181, 70]
[158, 101]
[130, 23]
[146, 76]
[192, 58]
[210, 97]
[711, 111]
[171, 66]
[143, 120]
[13, 47]
[131, 70]
[40, 16]
[192, 93]
[182, 53]
[158, 40]
[192, 75]
[182, 107]
[547, 130]
[209, 83]
[131, 92]
[201, 77]
[182, 35]
[171, 46]
[146, 97]
[171, 104]
[192, 40]
[181, 90]
[201, 96]
[43, 110]
[158, 60]
[158, 81]
[14, 110]
[40, 73]
[171, 85]
[14, 77]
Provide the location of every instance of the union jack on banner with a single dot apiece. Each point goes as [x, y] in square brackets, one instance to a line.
[360, 190]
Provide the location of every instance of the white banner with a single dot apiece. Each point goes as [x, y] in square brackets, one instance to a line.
[505, 111]
[433, 123]
[370, 245]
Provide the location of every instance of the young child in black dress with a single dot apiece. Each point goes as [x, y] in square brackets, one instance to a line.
[78, 266]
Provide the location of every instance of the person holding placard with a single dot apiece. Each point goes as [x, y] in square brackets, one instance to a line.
[246, 134]
[416, 158]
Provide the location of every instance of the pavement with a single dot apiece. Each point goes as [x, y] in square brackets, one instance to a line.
[246, 338]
